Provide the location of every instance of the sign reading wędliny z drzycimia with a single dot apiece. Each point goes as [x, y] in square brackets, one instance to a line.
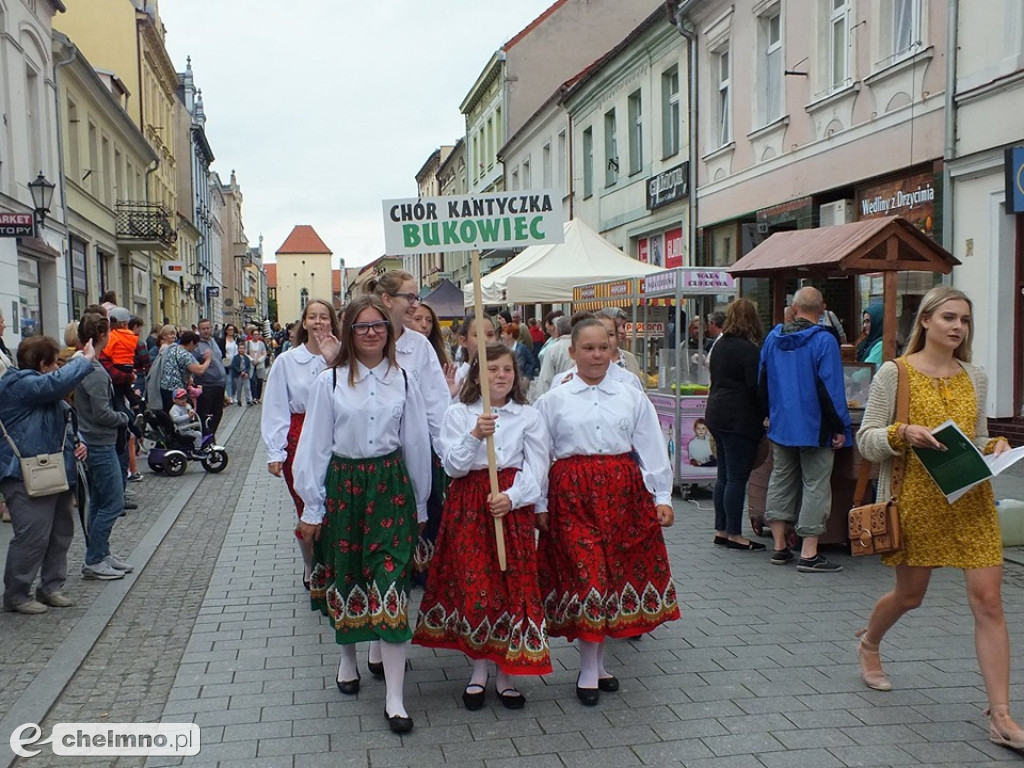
[472, 222]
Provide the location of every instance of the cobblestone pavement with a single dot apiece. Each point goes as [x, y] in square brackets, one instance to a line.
[760, 672]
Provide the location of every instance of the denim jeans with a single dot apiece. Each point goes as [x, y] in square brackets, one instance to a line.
[106, 499]
[736, 455]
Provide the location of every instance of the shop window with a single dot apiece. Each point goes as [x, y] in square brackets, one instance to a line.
[30, 319]
[79, 280]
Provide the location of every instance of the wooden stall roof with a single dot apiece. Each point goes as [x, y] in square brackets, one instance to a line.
[848, 249]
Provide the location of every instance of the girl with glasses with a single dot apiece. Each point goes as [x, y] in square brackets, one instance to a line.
[362, 470]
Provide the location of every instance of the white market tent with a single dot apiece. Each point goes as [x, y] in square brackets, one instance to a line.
[546, 274]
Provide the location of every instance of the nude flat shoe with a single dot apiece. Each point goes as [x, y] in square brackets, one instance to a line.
[1012, 739]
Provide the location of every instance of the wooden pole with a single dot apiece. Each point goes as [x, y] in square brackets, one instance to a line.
[485, 391]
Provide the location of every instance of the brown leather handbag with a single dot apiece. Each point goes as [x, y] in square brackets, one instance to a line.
[875, 528]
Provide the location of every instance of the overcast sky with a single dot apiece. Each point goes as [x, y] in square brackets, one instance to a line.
[326, 108]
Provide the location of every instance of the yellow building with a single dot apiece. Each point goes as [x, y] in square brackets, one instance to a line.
[104, 158]
[125, 38]
[303, 272]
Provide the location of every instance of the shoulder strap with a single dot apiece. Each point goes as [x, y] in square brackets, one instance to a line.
[10, 441]
[901, 415]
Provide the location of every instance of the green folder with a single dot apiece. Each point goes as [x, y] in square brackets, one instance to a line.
[958, 468]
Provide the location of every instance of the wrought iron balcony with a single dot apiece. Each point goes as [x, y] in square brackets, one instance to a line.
[144, 225]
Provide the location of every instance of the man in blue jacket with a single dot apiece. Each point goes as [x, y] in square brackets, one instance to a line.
[801, 376]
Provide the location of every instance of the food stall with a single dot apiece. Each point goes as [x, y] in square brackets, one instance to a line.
[884, 248]
[679, 390]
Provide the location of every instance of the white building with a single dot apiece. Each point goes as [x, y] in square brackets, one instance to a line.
[33, 269]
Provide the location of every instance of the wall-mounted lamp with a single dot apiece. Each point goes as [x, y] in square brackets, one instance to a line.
[42, 195]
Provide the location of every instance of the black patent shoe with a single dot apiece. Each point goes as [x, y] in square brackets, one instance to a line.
[474, 700]
[587, 696]
[397, 723]
[376, 668]
[511, 698]
[349, 687]
[608, 684]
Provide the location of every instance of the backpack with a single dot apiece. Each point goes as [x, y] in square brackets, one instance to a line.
[156, 372]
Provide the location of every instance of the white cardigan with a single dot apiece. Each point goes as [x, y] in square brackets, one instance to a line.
[880, 413]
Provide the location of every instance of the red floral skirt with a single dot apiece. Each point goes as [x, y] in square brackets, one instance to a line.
[294, 430]
[471, 606]
[604, 571]
[362, 562]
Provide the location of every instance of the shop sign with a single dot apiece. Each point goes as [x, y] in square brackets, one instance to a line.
[650, 330]
[16, 225]
[620, 288]
[472, 222]
[1015, 179]
[212, 291]
[174, 269]
[585, 293]
[668, 186]
[674, 248]
[660, 282]
[912, 197]
[707, 281]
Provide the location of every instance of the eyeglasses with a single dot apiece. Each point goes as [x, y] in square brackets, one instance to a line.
[412, 298]
[361, 329]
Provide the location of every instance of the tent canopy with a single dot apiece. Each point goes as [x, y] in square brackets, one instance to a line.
[445, 299]
[546, 274]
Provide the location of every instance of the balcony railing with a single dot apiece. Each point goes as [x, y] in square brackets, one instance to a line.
[145, 223]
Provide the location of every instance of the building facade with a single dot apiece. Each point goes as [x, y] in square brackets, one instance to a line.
[426, 268]
[304, 272]
[451, 178]
[105, 157]
[33, 268]
[234, 252]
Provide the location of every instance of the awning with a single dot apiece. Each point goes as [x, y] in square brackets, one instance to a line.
[887, 244]
[36, 246]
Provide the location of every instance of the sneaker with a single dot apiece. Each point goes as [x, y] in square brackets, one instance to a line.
[130, 505]
[135, 477]
[29, 607]
[817, 564]
[118, 564]
[56, 599]
[781, 557]
[102, 571]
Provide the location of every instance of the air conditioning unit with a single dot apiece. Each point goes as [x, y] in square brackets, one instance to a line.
[838, 212]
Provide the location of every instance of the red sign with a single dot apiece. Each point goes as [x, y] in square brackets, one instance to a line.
[16, 225]
[641, 247]
[674, 248]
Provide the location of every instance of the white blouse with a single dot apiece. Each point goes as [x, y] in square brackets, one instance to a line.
[376, 416]
[615, 372]
[607, 419]
[460, 378]
[418, 359]
[230, 350]
[287, 392]
[520, 441]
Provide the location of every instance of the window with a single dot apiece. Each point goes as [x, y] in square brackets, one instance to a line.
[562, 181]
[906, 17]
[771, 62]
[636, 132]
[588, 162]
[79, 282]
[546, 165]
[477, 163]
[527, 178]
[303, 295]
[489, 148]
[839, 43]
[515, 180]
[74, 150]
[722, 128]
[670, 112]
[33, 119]
[30, 298]
[106, 179]
[611, 149]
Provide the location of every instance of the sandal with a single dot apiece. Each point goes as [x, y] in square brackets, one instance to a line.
[875, 679]
[474, 700]
[511, 698]
[1011, 739]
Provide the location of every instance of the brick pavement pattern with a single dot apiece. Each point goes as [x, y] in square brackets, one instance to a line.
[760, 672]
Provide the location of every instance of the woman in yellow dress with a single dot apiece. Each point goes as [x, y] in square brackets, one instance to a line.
[966, 534]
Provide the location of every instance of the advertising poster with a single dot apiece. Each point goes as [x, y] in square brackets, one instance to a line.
[674, 248]
[697, 452]
[666, 409]
[656, 256]
[641, 250]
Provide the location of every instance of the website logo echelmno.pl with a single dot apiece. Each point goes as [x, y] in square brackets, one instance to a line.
[109, 739]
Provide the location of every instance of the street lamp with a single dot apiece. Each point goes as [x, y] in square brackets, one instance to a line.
[42, 195]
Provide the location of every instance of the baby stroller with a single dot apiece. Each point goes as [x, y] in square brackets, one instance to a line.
[172, 452]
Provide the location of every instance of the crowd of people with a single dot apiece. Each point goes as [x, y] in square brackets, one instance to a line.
[376, 422]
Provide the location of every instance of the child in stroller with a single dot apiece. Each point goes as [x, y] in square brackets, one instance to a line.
[173, 448]
[186, 421]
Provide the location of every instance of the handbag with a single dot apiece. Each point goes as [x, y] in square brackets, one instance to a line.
[875, 528]
[43, 474]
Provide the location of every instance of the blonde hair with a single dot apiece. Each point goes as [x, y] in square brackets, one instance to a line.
[932, 300]
[71, 334]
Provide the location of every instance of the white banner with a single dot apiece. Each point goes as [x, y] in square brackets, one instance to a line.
[472, 222]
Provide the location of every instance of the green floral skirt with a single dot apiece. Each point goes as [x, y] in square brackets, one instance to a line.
[362, 562]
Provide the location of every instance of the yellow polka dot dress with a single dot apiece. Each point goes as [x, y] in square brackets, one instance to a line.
[965, 534]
